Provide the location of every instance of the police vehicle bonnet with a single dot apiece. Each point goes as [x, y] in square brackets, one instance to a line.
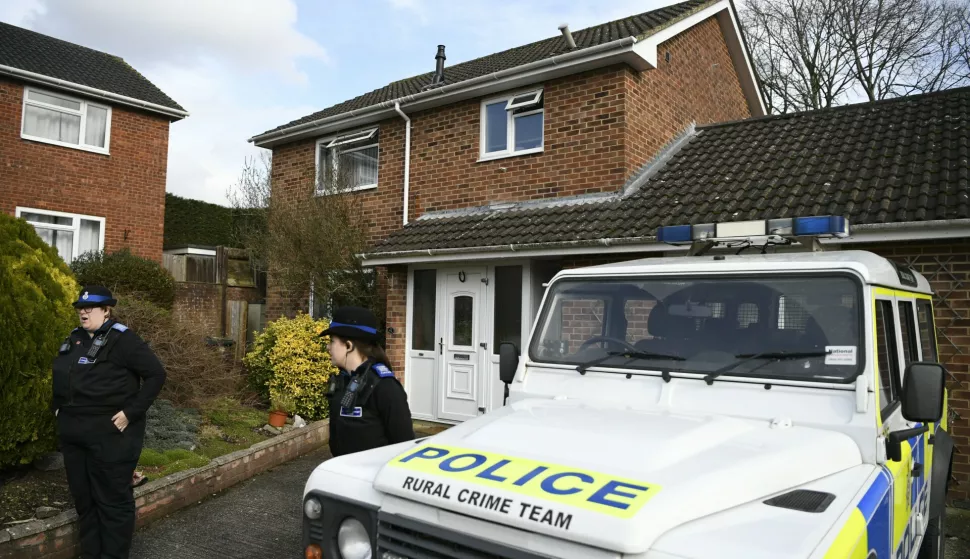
[94, 296]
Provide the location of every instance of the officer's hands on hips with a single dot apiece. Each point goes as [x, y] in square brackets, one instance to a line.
[120, 420]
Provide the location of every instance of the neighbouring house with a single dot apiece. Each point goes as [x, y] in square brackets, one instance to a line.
[559, 123]
[83, 145]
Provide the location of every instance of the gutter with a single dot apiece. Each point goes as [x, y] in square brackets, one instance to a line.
[407, 157]
[91, 91]
[444, 90]
[870, 233]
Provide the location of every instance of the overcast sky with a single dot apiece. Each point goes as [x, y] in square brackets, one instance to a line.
[241, 67]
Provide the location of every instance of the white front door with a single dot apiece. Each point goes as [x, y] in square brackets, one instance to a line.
[464, 344]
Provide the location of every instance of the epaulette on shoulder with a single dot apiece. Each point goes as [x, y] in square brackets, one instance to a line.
[119, 327]
[382, 370]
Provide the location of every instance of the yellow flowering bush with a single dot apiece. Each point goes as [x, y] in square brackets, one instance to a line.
[290, 358]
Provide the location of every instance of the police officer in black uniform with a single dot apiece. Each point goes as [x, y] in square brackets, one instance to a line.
[368, 406]
[105, 379]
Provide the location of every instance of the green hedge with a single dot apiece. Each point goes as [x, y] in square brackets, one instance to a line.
[124, 272]
[36, 290]
[194, 222]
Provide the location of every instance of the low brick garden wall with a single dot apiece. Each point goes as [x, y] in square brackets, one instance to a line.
[55, 538]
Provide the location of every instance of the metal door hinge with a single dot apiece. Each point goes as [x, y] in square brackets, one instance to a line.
[484, 345]
[485, 281]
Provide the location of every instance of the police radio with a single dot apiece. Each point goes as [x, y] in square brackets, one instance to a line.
[97, 345]
[351, 394]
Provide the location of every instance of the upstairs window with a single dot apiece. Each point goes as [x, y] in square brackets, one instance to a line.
[512, 125]
[71, 234]
[347, 162]
[59, 119]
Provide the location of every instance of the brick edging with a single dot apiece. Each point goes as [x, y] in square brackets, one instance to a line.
[55, 538]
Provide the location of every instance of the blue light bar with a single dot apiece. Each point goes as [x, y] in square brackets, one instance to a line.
[820, 225]
[674, 234]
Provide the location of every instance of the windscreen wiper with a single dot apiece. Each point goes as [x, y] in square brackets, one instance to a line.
[771, 356]
[631, 354]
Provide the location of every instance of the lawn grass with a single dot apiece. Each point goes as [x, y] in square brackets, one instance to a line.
[227, 426]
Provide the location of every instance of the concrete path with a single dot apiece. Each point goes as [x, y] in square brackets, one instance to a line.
[258, 518]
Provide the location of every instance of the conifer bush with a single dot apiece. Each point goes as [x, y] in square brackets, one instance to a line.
[124, 272]
[36, 291]
[289, 357]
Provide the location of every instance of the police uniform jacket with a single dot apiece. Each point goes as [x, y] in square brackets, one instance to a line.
[378, 416]
[124, 374]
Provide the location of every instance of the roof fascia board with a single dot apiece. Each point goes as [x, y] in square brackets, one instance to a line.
[564, 64]
[875, 233]
[91, 91]
[742, 61]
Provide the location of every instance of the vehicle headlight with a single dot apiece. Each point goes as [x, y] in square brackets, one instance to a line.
[312, 508]
[353, 541]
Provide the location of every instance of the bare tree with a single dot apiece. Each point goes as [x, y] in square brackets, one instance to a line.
[308, 237]
[800, 57]
[813, 54]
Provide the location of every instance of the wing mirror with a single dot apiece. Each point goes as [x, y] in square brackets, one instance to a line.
[924, 386]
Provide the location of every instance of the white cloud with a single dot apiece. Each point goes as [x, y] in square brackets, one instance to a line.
[249, 34]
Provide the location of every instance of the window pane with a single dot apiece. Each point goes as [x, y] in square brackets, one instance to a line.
[45, 218]
[528, 131]
[96, 126]
[52, 100]
[360, 167]
[887, 359]
[496, 127]
[51, 124]
[910, 351]
[462, 329]
[90, 236]
[63, 241]
[927, 334]
[326, 170]
[422, 320]
[637, 315]
[508, 306]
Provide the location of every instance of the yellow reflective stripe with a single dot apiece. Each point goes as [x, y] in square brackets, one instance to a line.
[543, 481]
[900, 293]
[901, 492]
[853, 539]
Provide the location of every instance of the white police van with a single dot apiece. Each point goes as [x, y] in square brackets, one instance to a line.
[718, 405]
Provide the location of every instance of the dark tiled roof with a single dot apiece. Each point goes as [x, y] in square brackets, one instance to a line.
[41, 54]
[633, 26]
[901, 160]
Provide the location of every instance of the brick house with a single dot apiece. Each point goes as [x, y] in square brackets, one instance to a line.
[652, 120]
[83, 145]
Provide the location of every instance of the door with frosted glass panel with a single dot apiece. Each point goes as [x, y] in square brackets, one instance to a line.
[462, 344]
[423, 358]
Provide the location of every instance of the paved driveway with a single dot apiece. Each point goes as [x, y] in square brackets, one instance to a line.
[259, 518]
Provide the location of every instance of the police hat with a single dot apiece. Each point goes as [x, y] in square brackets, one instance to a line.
[94, 296]
[356, 323]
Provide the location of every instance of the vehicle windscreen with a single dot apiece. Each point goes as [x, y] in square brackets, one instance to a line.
[795, 327]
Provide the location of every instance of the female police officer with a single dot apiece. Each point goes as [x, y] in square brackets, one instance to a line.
[368, 406]
[105, 379]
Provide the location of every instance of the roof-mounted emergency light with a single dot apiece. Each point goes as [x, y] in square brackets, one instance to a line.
[815, 227]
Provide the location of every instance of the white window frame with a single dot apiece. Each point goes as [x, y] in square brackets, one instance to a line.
[75, 228]
[83, 113]
[331, 142]
[510, 150]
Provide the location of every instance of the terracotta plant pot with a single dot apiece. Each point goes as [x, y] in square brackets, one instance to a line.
[277, 418]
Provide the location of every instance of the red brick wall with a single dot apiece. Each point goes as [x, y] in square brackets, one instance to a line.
[698, 85]
[127, 187]
[201, 304]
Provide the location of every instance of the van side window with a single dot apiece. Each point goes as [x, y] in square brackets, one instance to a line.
[927, 334]
[887, 357]
[907, 323]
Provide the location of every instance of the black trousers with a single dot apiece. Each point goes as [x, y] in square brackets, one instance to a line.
[100, 461]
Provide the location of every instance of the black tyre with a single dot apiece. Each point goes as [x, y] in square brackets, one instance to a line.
[934, 540]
